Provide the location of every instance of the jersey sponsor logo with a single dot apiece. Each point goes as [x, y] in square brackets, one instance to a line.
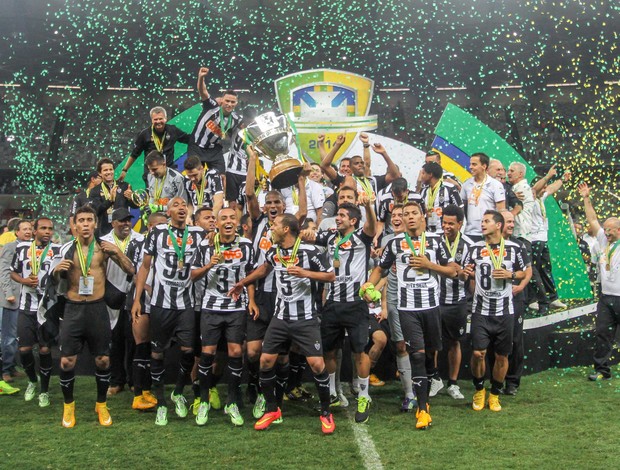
[232, 254]
[213, 127]
[346, 245]
[286, 259]
[437, 210]
[163, 201]
[416, 244]
[39, 252]
[190, 240]
[265, 244]
[485, 253]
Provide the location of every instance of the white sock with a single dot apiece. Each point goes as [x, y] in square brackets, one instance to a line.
[332, 384]
[356, 384]
[363, 386]
[404, 367]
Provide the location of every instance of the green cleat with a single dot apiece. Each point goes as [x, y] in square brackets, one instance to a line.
[162, 416]
[363, 409]
[259, 407]
[6, 389]
[44, 400]
[194, 406]
[214, 399]
[232, 410]
[31, 391]
[202, 414]
[180, 405]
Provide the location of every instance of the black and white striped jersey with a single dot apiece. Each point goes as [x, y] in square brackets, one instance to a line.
[117, 281]
[417, 290]
[261, 230]
[237, 263]
[295, 300]
[446, 194]
[493, 296]
[21, 264]
[171, 283]
[213, 186]
[453, 291]
[385, 204]
[237, 162]
[207, 132]
[354, 256]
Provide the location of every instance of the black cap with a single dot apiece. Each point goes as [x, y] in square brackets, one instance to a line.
[121, 213]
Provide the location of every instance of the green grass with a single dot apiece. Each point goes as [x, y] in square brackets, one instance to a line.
[558, 420]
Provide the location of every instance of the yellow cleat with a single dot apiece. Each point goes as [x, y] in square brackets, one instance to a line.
[68, 415]
[104, 414]
[139, 403]
[194, 406]
[375, 381]
[148, 396]
[424, 420]
[494, 404]
[479, 397]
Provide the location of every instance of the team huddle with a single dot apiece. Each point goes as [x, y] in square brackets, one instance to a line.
[264, 282]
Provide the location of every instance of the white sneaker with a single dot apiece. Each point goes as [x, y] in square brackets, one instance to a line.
[344, 402]
[557, 303]
[436, 385]
[455, 392]
[31, 391]
[534, 306]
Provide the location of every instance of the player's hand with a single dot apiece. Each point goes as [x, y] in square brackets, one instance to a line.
[308, 235]
[128, 192]
[31, 281]
[364, 138]
[110, 249]
[64, 265]
[383, 315]
[520, 195]
[501, 274]
[376, 251]
[236, 291]
[296, 271]
[419, 262]
[516, 289]
[584, 190]
[552, 171]
[215, 259]
[11, 299]
[340, 139]
[566, 176]
[379, 148]
[203, 72]
[468, 271]
[306, 169]
[113, 192]
[136, 311]
[253, 311]
[320, 139]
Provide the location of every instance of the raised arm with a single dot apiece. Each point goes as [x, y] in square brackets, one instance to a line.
[556, 185]
[366, 154]
[370, 226]
[392, 170]
[326, 163]
[302, 210]
[591, 216]
[544, 180]
[201, 85]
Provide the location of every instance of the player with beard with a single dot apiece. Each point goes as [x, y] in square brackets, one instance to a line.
[203, 187]
[170, 251]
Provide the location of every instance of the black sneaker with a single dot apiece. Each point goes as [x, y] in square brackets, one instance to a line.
[334, 401]
[363, 409]
[510, 390]
[598, 376]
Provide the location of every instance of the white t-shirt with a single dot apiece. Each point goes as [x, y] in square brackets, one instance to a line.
[315, 197]
[540, 222]
[523, 220]
[491, 192]
[610, 278]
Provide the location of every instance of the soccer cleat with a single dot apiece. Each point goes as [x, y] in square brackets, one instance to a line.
[202, 413]
[180, 405]
[557, 303]
[408, 405]
[494, 404]
[334, 401]
[423, 420]
[598, 376]
[139, 403]
[363, 409]
[344, 402]
[436, 386]
[479, 398]
[455, 392]
[259, 406]
[6, 389]
[510, 390]
[31, 391]
[194, 406]
[214, 399]
[328, 426]
[148, 396]
[375, 381]
[305, 394]
[115, 390]
[534, 306]
[232, 410]
[68, 415]
[265, 421]
[294, 395]
[162, 416]
[44, 400]
[279, 420]
[104, 414]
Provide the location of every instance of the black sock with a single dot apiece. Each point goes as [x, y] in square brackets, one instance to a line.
[215, 379]
[268, 385]
[295, 361]
[419, 378]
[140, 366]
[322, 386]
[205, 368]
[27, 358]
[452, 382]
[478, 383]
[299, 377]
[253, 367]
[496, 387]
[185, 368]
[157, 380]
[282, 374]
[45, 370]
[102, 377]
[235, 367]
[67, 380]
[196, 388]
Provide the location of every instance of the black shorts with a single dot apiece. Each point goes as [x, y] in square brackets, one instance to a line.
[214, 157]
[214, 325]
[492, 330]
[255, 329]
[85, 322]
[421, 329]
[453, 321]
[373, 326]
[29, 332]
[339, 317]
[166, 325]
[234, 184]
[304, 333]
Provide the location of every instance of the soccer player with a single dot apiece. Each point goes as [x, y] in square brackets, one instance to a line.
[82, 264]
[237, 163]
[349, 247]
[216, 122]
[419, 259]
[203, 187]
[397, 192]
[297, 268]
[436, 195]
[30, 267]
[224, 263]
[170, 251]
[433, 156]
[494, 263]
[164, 183]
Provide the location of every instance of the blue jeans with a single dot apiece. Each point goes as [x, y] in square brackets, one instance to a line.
[9, 339]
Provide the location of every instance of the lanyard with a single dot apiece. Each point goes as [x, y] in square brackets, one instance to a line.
[159, 143]
[295, 195]
[365, 184]
[609, 253]
[179, 250]
[200, 193]
[339, 243]
[218, 245]
[422, 249]
[225, 127]
[159, 187]
[35, 262]
[85, 263]
[432, 195]
[122, 244]
[452, 248]
[291, 260]
[105, 191]
[497, 260]
[477, 190]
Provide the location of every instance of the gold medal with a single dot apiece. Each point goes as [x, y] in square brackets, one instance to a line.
[608, 267]
[336, 263]
[180, 264]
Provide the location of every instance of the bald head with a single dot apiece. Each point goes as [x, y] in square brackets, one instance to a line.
[509, 223]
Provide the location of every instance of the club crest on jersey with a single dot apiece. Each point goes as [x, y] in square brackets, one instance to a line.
[190, 240]
[317, 345]
[461, 331]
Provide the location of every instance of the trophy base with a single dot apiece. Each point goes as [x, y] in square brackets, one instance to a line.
[285, 174]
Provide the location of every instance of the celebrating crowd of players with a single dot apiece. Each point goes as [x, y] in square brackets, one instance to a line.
[244, 277]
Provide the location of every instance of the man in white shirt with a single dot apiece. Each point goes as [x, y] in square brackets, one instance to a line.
[314, 195]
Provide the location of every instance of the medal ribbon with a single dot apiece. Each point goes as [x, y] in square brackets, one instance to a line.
[179, 250]
[609, 253]
[497, 260]
[85, 263]
[295, 195]
[291, 261]
[225, 127]
[159, 143]
[105, 191]
[452, 248]
[159, 187]
[218, 246]
[477, 190]
[200, 193]
[35, 263]
[340, 242]
[422, 250]
[122, 244]
[432, 195]
[543, 210]
[365, 184]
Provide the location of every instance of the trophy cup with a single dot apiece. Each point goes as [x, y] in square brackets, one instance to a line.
[140, 198]
[271, 136]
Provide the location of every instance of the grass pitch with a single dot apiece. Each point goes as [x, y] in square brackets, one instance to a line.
[558, 420]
